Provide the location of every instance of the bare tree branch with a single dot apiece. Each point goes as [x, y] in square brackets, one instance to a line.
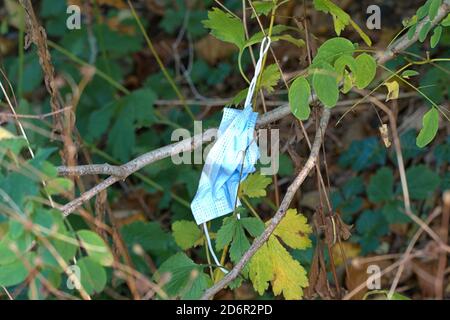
[281, 212]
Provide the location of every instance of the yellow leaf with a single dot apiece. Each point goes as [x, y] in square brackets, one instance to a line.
[393, 90]
[5, 134]
[289, 276]
[294, 230]
[273, 263]
[254, 186]
[351, 250]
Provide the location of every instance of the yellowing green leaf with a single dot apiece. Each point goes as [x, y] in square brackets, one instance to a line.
[270, 77]
[299, 94]
[225, 27]
[430, 125]
[5, 134]
[58, 186]
[186, 233]
[393, 90]
[273, 263]
[255, 185]
[366, 68]
[294, 230]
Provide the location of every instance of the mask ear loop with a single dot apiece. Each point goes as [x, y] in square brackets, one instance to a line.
[211, 250]
[265, 45]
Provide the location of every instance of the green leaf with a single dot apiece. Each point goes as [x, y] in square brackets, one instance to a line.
[434, 40]
[13, 273]
[366, 68]
[225, 27]
[434, 8]
[233, 232]
[345, 61]
[412, 31]
[253, 226]
[299, 94]
[334, 48]
[394, 213]
[270, 77]
[340, 18]
[121, 138]
[423, 10]
[186, 234]
[424, 31]
[325, 84]
[409, 73]
[92, 275]
[226, 232]
[430, 126]
[187, 279]
[446, 21]
[381, 186]
[95, 247]
[255, 186]
[263, 7]
[371, 226]
[148, 235]
[422, 182]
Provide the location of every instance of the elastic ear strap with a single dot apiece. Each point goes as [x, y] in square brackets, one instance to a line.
[211, 250]
[265, 45]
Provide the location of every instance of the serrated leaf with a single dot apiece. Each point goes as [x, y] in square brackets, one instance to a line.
[95, 247]
[225, 27]
[270, 77]
[366, 68]
[273, 263]
[381, 186]
[225, 233]
[255, 186]
[340, 18]
[434, 40]
[186, 279]
[299, 94]
[393, 90]
[324, 82]
[253, 226]
[294, 230]
[186, 234]
[422, 182]
[430, 126]
[262, 7]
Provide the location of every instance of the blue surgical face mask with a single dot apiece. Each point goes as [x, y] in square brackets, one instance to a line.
[231, 159]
